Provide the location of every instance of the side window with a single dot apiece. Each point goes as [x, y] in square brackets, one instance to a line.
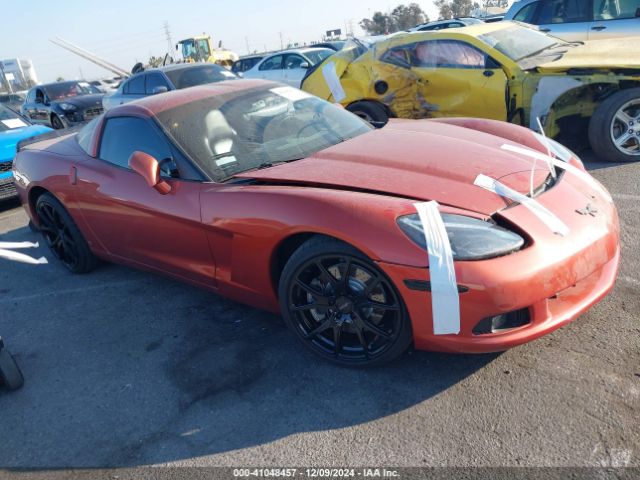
[124, 135]
[397, 56]
[85, 135]
[615, 9]
[526, 13]
[273, 63]
[447, 54]
[563, 11]
[135, 86]
[39, 95]
[155, 79]
[293, 61]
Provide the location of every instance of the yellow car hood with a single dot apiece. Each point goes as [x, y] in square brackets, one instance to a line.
[615, 53]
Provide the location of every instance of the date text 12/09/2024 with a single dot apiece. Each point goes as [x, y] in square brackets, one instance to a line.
[315, 473]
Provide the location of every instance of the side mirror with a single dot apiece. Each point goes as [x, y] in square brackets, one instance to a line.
[159, 89]
[148, 168]
[305, 65]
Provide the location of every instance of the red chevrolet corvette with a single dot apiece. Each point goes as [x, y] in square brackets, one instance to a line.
[457, 235]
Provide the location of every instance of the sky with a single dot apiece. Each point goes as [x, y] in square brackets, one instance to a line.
[127, 31]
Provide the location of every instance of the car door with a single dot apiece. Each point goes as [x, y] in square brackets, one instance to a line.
[293, 71]
[42, 107]
[134, 222]
[451, 79]
[569, 20]
[28, 108]
[615, 19]
[272, 69]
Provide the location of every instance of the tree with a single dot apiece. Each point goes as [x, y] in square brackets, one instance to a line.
[155, 61]
[454, 8]
[403, 17]
[60, 79]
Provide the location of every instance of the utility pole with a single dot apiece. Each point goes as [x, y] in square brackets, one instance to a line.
[246, 40]
[281, 43]
[167, 34]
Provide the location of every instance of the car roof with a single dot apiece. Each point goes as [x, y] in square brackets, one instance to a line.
[154, 104]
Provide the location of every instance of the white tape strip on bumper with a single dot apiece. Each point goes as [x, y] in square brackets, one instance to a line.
[445, 299]
[554, 223]
[333, 82]
[584, 176]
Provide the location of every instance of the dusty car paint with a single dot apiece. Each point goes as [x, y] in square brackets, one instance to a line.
[568, 88]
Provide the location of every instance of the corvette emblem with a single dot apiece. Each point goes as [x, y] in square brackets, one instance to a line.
[588, 210]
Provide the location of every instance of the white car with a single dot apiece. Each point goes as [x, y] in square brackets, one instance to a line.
[289, 66]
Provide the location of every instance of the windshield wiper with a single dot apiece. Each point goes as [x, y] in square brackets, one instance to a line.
[262, 166]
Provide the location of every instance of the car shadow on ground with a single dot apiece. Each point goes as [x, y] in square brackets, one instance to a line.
[126, 368]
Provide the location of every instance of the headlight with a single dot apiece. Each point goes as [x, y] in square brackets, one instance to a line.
[67, 107]
[559, 151]
[470, 238]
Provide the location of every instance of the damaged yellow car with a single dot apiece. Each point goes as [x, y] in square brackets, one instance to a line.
[503, 71]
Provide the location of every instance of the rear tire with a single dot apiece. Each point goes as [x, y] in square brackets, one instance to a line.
[614, 129]
[372, 112]
[341, 306]
[10, 374]
[63, 236]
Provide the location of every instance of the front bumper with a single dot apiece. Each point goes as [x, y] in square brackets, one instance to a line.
[555, 279]
[548, 311]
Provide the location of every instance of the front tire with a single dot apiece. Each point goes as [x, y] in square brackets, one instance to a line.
[614, 130]
[56, 123]
[63, 236]
[341, 306]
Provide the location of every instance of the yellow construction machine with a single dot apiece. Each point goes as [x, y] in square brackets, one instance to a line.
[200, 49]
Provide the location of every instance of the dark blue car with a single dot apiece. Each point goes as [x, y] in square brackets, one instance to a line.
[13, 128]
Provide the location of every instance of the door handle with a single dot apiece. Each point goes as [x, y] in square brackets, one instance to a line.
[599, 27]
[488, 73]
[545, 30]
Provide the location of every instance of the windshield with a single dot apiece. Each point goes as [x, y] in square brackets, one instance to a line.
[256, 128]
[58, 91]
[10, 120]
[518, 42]
[198, 75]
[317, 56]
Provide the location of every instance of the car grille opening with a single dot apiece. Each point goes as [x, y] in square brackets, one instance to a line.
[503, 322]
[7, 188]
[90, 113]
[5, 167]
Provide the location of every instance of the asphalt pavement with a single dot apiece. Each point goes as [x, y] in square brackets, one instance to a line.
[125, 368]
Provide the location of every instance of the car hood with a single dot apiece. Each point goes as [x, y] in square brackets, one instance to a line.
[414, 159]
[610, 54]
[10, 138]
[84, 101]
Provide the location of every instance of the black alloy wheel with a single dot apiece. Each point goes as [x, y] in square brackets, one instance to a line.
[62, 235]
[342, 306]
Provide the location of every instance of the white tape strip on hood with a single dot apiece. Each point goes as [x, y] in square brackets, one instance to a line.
[22, 258]
[584, 176]
[445, 299]
[554, 223]
[333, 82]
[14, 245]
